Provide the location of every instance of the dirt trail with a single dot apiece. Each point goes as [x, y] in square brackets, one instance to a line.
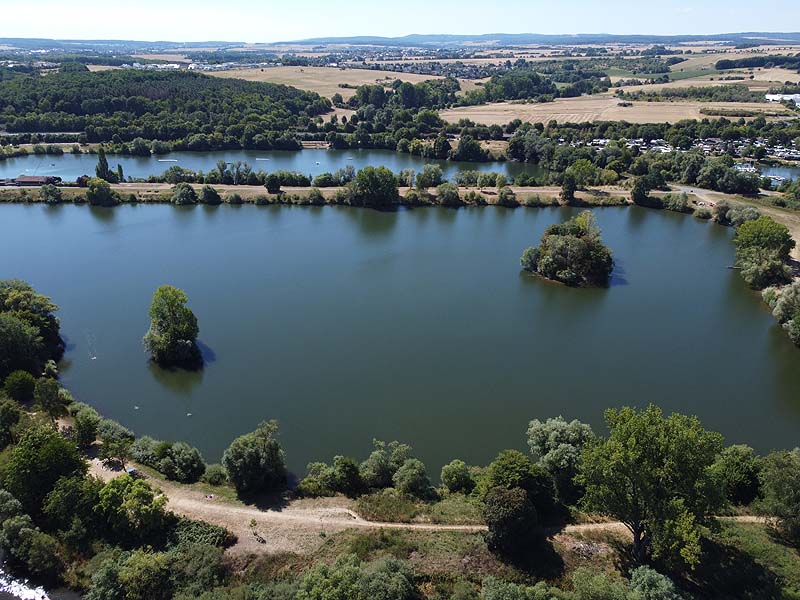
[299, 526]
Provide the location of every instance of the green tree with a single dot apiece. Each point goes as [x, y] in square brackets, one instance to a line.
[737, 469]
[456, 477]
[430, 176]
[374, 186]
[273, 184]
[411, 478]
[20, 345]
[640, 193]
[172, 337]
[131, 509]
[10, 415]
[780, 486]
[512, 469]
[447, 195]
[147, 576]
[99, 193]
[764, 233]
[557, 444]
[47, 397]
[378, 470]
[86, 425]
[568, 188]
[101, 170]
[182, 463]
[50, 194]
[511, 519]
[208, 195]
[183, 194]
[653, 473]
[255, 461]
[41, 457]
[19, 386]
[72, 498]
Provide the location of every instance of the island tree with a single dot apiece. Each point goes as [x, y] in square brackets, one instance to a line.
[571, 253]
[172, 337]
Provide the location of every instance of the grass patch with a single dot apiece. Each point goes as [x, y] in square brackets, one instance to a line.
[456, 509]
[388, 506]
[374, 544]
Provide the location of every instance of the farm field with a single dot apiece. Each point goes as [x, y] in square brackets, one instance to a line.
[594, 108]
[323, 80]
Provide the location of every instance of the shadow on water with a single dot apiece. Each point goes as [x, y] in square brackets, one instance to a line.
[208, 354]
[180, 381]
[618, 275]
[373, 222]
[104, 214]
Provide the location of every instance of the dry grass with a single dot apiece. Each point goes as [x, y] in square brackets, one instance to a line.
[99, 68]
[169, 57]
[594, 108]
[323, 80]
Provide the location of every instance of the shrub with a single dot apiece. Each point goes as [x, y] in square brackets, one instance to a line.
[388, 506]
[50, 194]
[87, 422]
[189, 531]
[447, 195]
[703, 214]
[183, 194]
[255, 461]
[511, 519]
[456, 477]
[737, 470]
[411, 478]
[208, 195]
[215, 475]
[506, 197]
[233, 198]
[19, 386]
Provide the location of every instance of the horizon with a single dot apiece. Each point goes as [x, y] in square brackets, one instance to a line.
[250, 22]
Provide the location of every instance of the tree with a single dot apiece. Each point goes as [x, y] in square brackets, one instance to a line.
[20, 345]
[101, 170]
[50, 194]
[568, 188]
[512, 469]
[378, 470]
[183, 193]
[430, 176]
[183, 463]
[147, 576]
[172, 337]
[653, 474]
[557, 444]
[99, 193]
[469, 150]
[511, 519]
[411, 478]
[374, 186]
[506, 197]
[764, 233]
[780, 486]
[72, 498]
[208, 195]
[649, 584]
[47, 397]
[456, 477]
[737, 469]
[131, 509]
[86, 425]
[19, 386]
[640, 193]
[447, 194]
[273, 184]
[255, 461]
[10, 415]
[346, 477]
[41, 457]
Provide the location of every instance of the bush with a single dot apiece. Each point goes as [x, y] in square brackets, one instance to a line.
[189, 531]
[411, 478]
[233, 198]
[506, 197]
[456, 477]
[215, 475]
[19, 386]
[50, 194]
[703, 214]
[183, 194]
[208, 195]
[388, 506]
[511, 519]
[255, 461]
[780, 486]
[183, 463]
[87, 422]
[447, 195]
[737, 470]
[512, 469]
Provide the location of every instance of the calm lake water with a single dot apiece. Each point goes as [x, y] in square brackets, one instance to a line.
[348, 324]
[309, 162]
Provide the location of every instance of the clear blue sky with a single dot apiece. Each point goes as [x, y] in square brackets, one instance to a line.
[275, 20]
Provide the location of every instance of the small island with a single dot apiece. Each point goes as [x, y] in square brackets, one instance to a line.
[571, 253]
[172, 337]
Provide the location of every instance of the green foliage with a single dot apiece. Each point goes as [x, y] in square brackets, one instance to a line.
[430, 176]
[70, 499]
[86, 427]
[780, 487]
[348, 579]
[208, 195]
[50, 194]
[183, 193]
[255, 461]
[19, 386]
[10, 416]
[557, 444]
[188, 531]
[374, 186]
[649, 584]
[215, 475]
[36, 463]
[512, 469]
[764, 233]
[653, 474]
[572, 253]
[511, 519]
[387, 506]
[447, 195]
[506, 197]
[469, 149]
[132, 510]
[378, 470]
[20, 345]
[737, 469]
[342, 477]
[172, 337]
[411, 478]
[46, 397]
[30, 547]
[99, 193]
[456, 477]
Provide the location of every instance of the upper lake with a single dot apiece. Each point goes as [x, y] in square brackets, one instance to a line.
[348, 324]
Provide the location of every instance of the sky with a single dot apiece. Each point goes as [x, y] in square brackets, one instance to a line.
[281, 20]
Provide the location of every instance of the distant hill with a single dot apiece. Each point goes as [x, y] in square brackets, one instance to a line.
[511, 39]
[106, 45]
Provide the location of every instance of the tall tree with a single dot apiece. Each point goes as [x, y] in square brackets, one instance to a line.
[172, 337]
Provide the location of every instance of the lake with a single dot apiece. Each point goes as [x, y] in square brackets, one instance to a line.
[309, 162]
[347, 324]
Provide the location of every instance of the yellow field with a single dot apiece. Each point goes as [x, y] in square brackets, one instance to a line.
[323, 80]
[99, 68]
[595, 108]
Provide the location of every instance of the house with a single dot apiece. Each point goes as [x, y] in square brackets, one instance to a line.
[36, 180]
[784, 98]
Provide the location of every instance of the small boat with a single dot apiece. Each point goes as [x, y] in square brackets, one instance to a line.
[262, 159]
[167, 160]
[317, 162]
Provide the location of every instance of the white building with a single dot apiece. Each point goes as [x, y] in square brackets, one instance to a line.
[784, 98]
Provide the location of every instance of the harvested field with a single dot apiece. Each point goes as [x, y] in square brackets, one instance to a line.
[99, 68]
[595, 108]
[323, 80]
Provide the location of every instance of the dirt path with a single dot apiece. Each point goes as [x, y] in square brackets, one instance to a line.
[299, 526]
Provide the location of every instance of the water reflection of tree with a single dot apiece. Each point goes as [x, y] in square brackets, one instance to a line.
[180, 381]
[373, 222]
